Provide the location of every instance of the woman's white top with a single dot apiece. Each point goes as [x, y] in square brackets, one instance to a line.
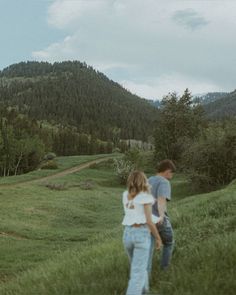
[134, 209]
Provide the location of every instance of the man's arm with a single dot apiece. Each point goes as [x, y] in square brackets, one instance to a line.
[161, 205]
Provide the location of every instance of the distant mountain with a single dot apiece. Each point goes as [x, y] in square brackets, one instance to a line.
[155, 103]
[222, 107]
[208, 97]
[75, 94]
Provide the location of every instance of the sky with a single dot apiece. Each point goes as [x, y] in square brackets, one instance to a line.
[151, 47]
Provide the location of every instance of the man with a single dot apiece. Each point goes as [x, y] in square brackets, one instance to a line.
[161, 191]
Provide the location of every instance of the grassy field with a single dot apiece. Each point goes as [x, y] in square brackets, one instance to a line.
[63, 164]
[38, 222]
[69, 241]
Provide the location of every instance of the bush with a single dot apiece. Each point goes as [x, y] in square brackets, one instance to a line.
[50, 156]
[87, 185]
[211, 160]
[116, 150]
[135, 157]
[201, 183]
[56, 186]
[123, 168]
[51, 164]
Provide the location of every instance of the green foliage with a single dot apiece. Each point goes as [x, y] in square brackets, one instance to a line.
[178, 123]
[132, 160]
[203, 260]
[64, 163]
[38, 223]
[50, 156]
[222, 108]
[50, 164]
[134, 156]
[123, 168]
[56, 186]
[123, 147]
[20, 149]
[211, 159]
[72, 93]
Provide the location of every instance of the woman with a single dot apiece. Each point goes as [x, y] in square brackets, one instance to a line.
[138, 222]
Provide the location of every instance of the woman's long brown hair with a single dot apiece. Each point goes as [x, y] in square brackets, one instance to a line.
[137, 182]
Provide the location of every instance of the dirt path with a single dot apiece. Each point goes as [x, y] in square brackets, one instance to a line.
[59, 174]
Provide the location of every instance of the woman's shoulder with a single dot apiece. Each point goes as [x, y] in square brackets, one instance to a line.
[125, 195]
[144, 198]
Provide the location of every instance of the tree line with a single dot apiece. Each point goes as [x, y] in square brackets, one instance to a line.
[25, 141]
[72, 93]
[205, 149]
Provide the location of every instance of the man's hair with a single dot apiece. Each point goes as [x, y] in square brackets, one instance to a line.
[166, 165]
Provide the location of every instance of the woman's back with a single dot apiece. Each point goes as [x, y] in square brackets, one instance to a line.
[134, 208]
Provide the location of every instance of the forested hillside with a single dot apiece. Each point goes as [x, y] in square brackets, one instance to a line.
[222, 107]
[209, 97]
[76, 94]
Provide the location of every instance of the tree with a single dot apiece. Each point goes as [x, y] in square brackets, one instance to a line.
[211, 158]
[177, 123]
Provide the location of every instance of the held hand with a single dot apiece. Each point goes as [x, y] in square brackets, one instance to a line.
[161, 220]
[158, 243]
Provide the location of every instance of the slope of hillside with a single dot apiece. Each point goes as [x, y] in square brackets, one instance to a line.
[76, 94]
[209, 97]
[203, 261]
[222, 107]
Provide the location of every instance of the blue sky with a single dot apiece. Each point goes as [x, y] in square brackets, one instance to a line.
[23, 29]
[150, 47]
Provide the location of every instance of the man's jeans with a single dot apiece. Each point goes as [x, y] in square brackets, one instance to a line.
[137, 242]
[166, 232]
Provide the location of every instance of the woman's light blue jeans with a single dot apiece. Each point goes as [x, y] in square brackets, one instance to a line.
[137, 242]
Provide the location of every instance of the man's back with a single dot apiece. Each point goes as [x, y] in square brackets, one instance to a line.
[160, 187]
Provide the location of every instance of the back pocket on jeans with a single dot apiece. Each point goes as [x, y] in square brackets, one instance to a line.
[142, 237]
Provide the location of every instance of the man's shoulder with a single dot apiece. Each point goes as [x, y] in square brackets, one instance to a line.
[164, 180]
[158, 179]
[152, 179]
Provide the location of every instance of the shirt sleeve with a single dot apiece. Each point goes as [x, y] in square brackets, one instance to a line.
[124, 199]
[164, 190]
[144, 198]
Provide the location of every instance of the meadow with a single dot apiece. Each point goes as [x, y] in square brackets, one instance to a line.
[63, 164]
[68, 241]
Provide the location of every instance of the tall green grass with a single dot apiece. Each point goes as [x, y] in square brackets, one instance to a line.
[64, 162]
[203, 260]
[37, 223]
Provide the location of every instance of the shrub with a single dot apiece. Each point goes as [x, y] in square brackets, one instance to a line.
[56, 186]
[51, 164]
[123, 168]
[211, 160]
[201, 183]
[50, 156]
[87, 185]
[116, 150]
[135, 157]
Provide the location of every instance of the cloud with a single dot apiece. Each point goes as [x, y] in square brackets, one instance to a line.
[139, 43]
[66, 13]
[58, 51]
[156, 87]
[190, 19]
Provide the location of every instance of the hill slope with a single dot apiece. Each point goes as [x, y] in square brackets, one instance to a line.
[222, 107]
[203, 261]
[209, 97]
[76, 94]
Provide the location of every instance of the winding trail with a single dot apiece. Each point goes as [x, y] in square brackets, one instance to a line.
[59, 174]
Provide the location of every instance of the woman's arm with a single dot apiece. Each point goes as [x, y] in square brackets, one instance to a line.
[161, 205]
[152, 226]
